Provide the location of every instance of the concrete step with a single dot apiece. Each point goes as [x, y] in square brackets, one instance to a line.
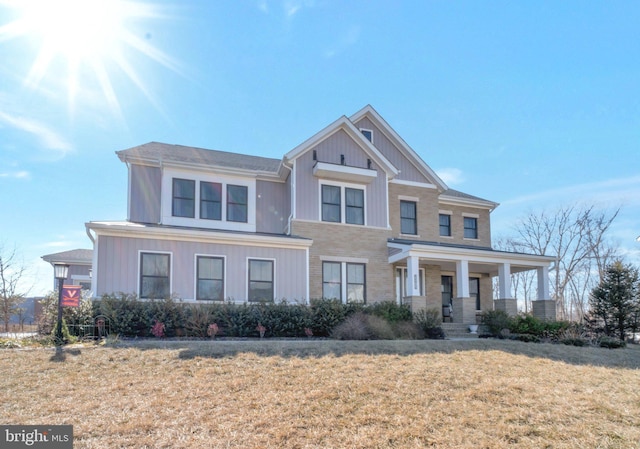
[457, 330]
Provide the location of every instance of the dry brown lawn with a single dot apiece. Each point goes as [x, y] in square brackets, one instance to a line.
[328, 394]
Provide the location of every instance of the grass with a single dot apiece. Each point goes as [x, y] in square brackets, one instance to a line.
[328, 394]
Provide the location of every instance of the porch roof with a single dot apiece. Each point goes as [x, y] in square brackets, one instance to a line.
[481, 259]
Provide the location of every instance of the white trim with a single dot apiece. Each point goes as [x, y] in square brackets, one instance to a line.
[415, 199]
[465, 214]
[144, 251]
[413, 183]
[136, 230]
[400, 283]
[195, 276]
[339, 172]
[344, 259]
[249, 258]
[445, 212]
[468, 202]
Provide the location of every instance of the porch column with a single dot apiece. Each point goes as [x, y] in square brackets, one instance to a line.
[412, 287]
[464, 307]
[544, 307]
[505, 302]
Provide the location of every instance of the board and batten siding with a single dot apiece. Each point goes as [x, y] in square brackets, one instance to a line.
[145, 185]
[272, 206]
[118, 259]
[408, 171]
[308, 186]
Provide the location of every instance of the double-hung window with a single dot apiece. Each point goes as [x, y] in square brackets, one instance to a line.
[408, 217]
[184, 198]
[470, 228]
[210, 200]
[237, 203]
[261, 280]
[354, 205]
[445, 225]
[210, 278]
[333, 287]
[155, 269]
[342, 204]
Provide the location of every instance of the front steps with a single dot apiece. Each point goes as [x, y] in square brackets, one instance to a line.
[457, 330]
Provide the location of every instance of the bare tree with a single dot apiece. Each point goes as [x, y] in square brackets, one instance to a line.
[12, 272]
[577, 237]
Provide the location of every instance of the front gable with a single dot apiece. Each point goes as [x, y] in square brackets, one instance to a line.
[411, 166]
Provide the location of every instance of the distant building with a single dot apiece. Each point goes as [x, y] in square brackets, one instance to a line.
[79, 261]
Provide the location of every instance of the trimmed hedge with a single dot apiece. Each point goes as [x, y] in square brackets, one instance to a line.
[131, 317]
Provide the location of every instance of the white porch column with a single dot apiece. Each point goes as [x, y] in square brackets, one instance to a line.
[543, 283]
[504, 280]
[413, 276]
[462, 278]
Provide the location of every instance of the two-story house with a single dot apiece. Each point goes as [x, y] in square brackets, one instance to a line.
[352, 213]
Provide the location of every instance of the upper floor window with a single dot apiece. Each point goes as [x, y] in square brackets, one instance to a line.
[445, 225]
[338, 202]
[210, 278]
[237, 203]
[408, 217]
[368, 134]
[261, 280]
[184, 198]
[470, 228]
[210, 200]
[354, 203]
[155, 269]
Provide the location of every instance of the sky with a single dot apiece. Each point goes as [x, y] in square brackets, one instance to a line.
[531, 104]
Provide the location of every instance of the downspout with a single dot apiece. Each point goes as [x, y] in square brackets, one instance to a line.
[287, 230]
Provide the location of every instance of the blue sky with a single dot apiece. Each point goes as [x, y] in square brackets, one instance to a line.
[533, 105]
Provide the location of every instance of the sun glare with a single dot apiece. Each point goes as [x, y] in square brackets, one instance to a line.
[83, 34]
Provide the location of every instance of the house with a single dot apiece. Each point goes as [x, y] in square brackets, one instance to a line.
[352, 213]
[79, 261]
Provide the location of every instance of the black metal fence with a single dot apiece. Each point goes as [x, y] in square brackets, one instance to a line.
[95, 328]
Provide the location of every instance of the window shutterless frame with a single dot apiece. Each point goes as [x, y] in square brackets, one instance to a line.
[184, 198]
[155, 275]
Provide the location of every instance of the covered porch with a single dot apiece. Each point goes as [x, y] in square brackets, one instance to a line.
[458, 280]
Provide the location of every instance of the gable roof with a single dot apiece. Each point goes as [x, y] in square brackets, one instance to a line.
[343, 123]
[157, 153]
[369, 112]
[74, 256]
[464, 199]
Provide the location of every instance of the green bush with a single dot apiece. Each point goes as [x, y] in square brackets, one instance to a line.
[611, 343]
[326, 314]
[576, 341]
[390, 311]
[495, 321]
[429, 321]
[527, 324]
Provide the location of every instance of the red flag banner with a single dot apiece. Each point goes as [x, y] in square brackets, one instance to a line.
[71, 295]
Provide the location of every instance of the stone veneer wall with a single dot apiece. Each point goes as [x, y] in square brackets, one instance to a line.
[340, 241]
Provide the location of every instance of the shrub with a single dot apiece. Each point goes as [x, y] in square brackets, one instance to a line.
[611, 343]
[527, 338]
[408, 330]
[576, 341]
[428, 320]
[355, 327]
[495, 321]
[390, 311]
[527, 324]
[379, 328]
[326, 314]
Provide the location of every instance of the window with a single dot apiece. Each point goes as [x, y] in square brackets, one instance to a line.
[237, 203]
[333, 197]
[210, 200]
[368, 134]
[154, 275]
[184, 198]
[331, 203]
[408, 218]
[355, 282]
[210, 278]
[474, 290]
[470, 228]
[445, 225]
[332, 280]
[354, 203]
[261, 280]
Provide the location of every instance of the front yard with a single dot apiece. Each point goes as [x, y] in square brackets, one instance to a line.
[328, 394]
